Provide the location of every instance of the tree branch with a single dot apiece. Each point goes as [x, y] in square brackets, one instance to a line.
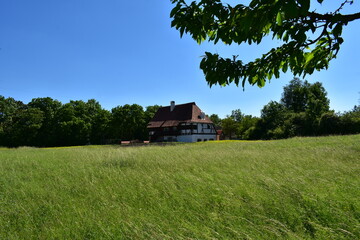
[329, 17]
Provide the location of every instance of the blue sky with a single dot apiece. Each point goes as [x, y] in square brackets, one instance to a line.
[125, 52]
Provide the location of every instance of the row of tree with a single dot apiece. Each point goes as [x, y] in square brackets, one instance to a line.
[302, 111]
[47, 122]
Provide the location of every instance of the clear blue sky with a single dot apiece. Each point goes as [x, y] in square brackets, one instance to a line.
[124, 52]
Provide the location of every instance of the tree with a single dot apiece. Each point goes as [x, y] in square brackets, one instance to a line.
[150, 112]
[47, 133]
[73, 124]
[294, 96]
[9, 109]
[299, 124]
[298, 113]
[229, 126]
[26, 125]
[246, 123]
[317, 101]
[127, 122]
[310, 40]
[329, 123]
[273, 116]
[350, 121]
[301, 96]
[237, 115]
[215, 119]
[273, 113]
[100, 124]
[307, 103]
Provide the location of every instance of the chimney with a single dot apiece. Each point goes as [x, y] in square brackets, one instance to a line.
[172, 106]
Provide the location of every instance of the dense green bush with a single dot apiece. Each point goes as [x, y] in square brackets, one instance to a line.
[329, 124]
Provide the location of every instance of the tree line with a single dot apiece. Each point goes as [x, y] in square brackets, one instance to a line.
[45, 122]
[302, 111]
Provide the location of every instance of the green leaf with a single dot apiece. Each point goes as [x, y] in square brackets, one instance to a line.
[309, 57]
[261, 82]
[253, 3]
[291, 9]
[276, 73]
[279, 18]
[337, 30]
[285, 67]
[305, 5]
[175, 10]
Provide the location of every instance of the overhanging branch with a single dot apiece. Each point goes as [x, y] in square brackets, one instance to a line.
[330, 17]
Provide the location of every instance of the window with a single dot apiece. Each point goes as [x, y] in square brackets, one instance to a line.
[199, 140]
[186, 132]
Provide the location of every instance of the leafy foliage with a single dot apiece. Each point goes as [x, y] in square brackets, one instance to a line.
[237, 115]
[127, 121]
[309, 40]
[302, 111]
[299, 96]
[229, 126]
[45, 122]
[215, 119]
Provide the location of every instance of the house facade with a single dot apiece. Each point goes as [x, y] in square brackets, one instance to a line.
[181, 123]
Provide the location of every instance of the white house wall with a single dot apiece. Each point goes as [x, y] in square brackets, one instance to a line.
[196, 137]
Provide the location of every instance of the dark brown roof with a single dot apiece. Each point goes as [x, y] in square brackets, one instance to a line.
[187, 112]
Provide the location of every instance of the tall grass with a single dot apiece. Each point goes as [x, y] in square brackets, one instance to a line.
[301, 188]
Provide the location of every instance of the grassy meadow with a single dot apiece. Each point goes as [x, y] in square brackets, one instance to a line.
[301, 188]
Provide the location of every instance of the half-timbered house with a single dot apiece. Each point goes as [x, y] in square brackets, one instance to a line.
[181, 123]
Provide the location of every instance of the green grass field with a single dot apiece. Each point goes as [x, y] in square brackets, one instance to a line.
[301, 188]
